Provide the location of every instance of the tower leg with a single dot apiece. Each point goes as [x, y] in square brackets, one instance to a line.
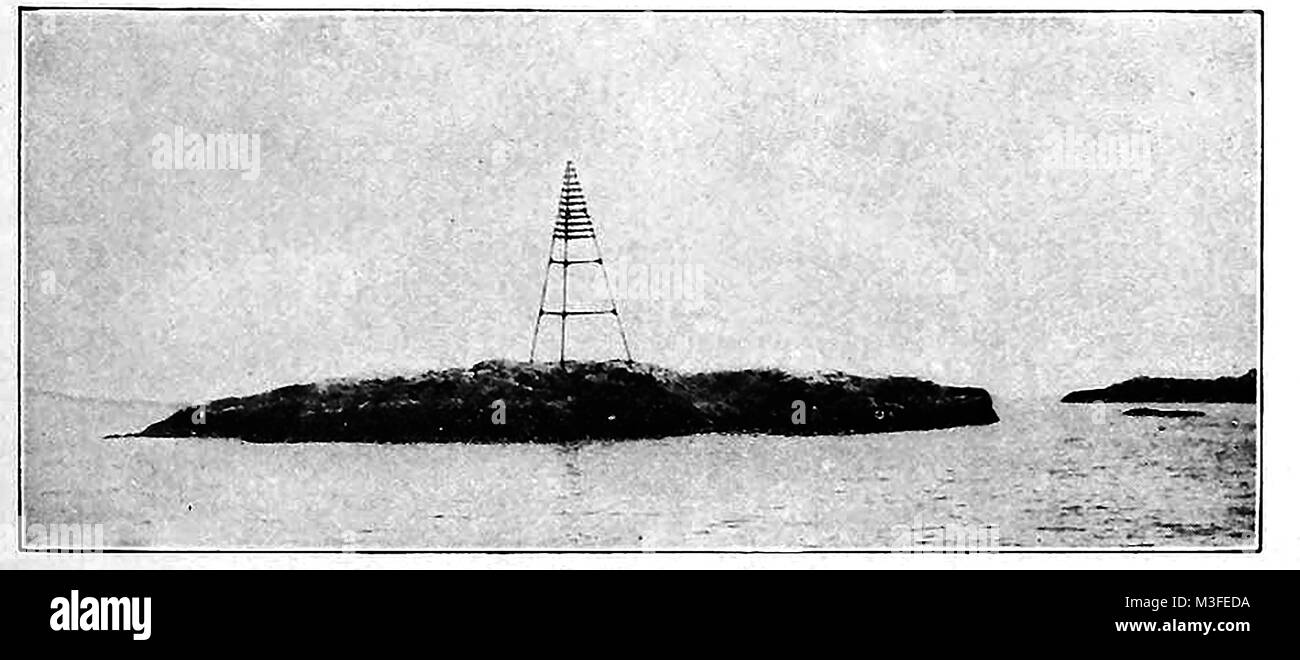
[546, 279]
[609, 291]
[564, 297]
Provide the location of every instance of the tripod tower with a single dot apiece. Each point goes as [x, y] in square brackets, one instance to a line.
[576, 236]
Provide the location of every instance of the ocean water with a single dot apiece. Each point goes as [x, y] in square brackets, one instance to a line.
[1050, 475]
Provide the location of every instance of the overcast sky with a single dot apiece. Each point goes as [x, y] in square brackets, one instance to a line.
[875, 194]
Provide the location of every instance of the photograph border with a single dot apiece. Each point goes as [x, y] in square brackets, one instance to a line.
[1007, 550]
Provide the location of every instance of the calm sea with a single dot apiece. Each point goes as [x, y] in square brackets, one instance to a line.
[1049, 475]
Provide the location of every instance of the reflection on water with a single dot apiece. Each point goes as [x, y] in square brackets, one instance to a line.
[1048, 475]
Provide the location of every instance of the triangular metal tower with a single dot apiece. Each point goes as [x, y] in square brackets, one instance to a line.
[573, 225]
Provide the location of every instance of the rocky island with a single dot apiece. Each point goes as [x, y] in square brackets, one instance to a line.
[1226, 389]
[504, 401]
[1155, 412]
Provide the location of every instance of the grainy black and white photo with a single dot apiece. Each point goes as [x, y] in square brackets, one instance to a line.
[559, 280]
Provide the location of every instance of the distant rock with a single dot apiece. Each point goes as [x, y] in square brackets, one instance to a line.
[588, 400]
[1226, 389]
[1153, 412]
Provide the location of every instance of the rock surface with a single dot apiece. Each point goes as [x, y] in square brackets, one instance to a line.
[1153, 412]
[1226, 389]
[590, 400]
